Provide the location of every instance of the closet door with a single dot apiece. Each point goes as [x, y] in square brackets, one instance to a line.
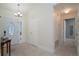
[33, 31]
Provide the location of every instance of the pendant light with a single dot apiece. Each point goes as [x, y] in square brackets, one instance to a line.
[18, 13]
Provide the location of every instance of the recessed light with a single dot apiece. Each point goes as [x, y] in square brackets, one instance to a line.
[66, 11]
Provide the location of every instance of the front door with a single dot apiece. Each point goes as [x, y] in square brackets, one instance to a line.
[12, 27]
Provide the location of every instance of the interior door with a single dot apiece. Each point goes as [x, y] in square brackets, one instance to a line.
[33, 29]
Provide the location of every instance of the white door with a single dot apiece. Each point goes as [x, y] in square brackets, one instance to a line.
[33, 31]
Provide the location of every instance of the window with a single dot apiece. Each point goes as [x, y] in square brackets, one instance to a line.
[11, 29]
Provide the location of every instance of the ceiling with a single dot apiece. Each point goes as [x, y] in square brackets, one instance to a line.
[62, 6]
[13, 7]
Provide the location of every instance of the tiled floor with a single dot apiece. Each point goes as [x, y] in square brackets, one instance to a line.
[66, 51]
[30, 50]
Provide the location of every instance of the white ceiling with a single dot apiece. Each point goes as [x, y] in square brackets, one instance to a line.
[14, 7]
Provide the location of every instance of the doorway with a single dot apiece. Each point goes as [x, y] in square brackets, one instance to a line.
[13, 29]
[69, 28]
[69, 31]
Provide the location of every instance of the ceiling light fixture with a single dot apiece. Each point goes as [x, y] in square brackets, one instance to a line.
[19, 13]
[66, 11]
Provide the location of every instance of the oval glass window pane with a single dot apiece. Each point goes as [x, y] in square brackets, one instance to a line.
[11, 29]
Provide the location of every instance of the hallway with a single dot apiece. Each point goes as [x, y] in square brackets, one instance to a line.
[40, 29]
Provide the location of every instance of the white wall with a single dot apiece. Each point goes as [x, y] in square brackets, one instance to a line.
[38, 25]
[58, 31]
[77, 31]
[41, 26]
